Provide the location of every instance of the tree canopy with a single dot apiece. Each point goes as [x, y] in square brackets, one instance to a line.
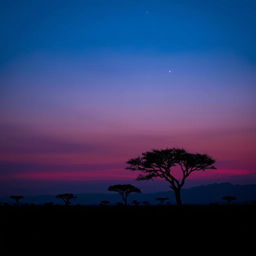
[124, 190]
[16, 198]
[162, 163]
[66, 197]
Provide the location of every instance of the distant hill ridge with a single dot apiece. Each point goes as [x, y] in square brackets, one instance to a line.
[205, 194]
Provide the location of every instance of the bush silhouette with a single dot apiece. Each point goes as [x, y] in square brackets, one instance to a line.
[124, 190]
[17, 198]
[164, 164]
[135, 202]
[162, 200]
[229, 199]
[104, 203]
[67, 198]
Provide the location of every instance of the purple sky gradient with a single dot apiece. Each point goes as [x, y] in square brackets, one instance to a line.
[81, 96]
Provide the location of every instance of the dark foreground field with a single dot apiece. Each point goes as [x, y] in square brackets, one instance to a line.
[84, 228]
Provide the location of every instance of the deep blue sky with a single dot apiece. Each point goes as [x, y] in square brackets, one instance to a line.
[127, 26]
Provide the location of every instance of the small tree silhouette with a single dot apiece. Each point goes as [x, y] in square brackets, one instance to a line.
[17, 198]
[67, 198]
[124, 190]
[229, 199]
[162, 200]
[166, 163]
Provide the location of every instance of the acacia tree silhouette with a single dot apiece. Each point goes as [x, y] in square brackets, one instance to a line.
[67, 198]
[229, 199]
[124, 190]
[17, 198]
[166, 162]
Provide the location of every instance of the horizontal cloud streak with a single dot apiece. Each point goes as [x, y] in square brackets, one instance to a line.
[8, 168]
[15, 139]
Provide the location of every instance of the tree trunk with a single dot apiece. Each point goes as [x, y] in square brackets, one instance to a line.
[178, 197]
[124, 197]
[125, 200]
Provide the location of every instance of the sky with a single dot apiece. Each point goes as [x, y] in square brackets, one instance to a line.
[87, 85]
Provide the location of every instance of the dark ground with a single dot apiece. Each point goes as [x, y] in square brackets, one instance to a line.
[166, 228]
